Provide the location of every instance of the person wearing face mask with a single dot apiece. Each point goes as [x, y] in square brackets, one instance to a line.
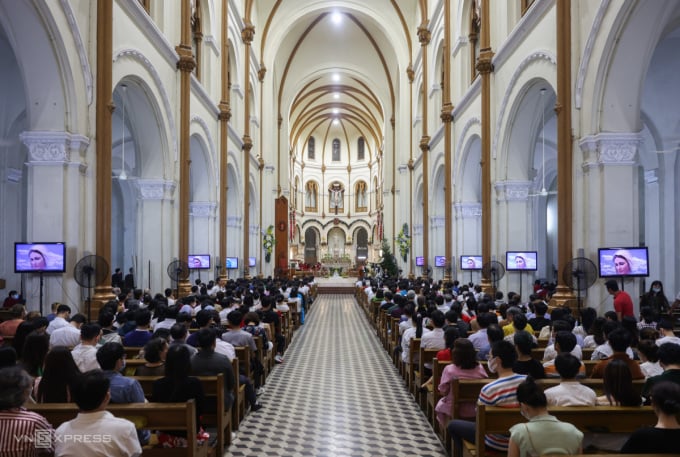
[500, 392]
[655, 298]
[543, 434]
[12, 299]
[111, 357]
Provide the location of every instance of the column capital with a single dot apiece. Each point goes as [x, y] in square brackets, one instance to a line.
[512, 190]
[424, 34]
[261, 73]
[225, 111]
[186, 62]
[247, 143]
[410, 74]
[424, 144]
[156, 189]
[447, 113]
[54, 147]
[248, 33]
[202, 209]
[484, 65]
[469, 210]
[607, 148]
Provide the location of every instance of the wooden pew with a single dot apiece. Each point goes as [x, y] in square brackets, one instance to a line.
[152, 416]
[537, 353]
[410, 369]
[243, 356]
[614, 419]
[132, 353]
[213, 389]
[425, 355]
[433, 395]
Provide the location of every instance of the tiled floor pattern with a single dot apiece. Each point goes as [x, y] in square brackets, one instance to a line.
[337, 394]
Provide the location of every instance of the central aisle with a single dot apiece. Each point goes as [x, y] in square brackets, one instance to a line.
[336, 394]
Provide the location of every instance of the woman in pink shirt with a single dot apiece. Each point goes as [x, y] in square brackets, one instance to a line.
[464, 366]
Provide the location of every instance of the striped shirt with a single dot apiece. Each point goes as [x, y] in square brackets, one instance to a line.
[501, 392]
[24, 433]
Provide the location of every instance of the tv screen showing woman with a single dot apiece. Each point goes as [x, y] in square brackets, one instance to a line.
[39, 257]
[623, 262]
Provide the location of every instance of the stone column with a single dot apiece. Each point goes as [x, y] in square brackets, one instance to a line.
[53, 207]
[424, 37]
[224, 116]
[611, 179]
[447, 119]
[247, 35]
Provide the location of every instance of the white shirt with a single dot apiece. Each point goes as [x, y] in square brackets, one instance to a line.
[57, 322]
[668, 339]
[433, 339]
[406, 338]
[604, 351]
[570, 393]
[550, 353]
[68, 336]
[99, 434]
[85, 356]
[650, 369]
[224, 348]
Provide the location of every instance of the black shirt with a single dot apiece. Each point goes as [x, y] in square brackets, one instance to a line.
[652, 440]
[530, 367]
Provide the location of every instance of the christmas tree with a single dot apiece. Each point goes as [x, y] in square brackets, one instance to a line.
[389, 263]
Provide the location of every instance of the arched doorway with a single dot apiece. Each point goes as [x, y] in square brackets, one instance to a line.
[362, 245]
[311, 243]
[336, 242]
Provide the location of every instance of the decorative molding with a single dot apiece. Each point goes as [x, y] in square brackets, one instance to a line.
[255, 121]
[202, 209]
[146, 63]
[463, 133]
[652, 176]
[461, 42]
[402, 169]
[148, 27]
[234, 136]
[234, 221]
[610, 148]
[155, 189]
[212, 44]
[437, 221]
[468, 210]
[236, 88]
[269, 169]
[254, 229]
[588, 52]
[524, 27]
[531, 58]
[13, 174]
[82, 52]
[206, 131]
[200, 92]
[438, 135]
[434, 89]
[54, 147]
[467, 98]
[416, 121]
[512, 190]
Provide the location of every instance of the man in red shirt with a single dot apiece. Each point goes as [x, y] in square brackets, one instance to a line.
[623, 304]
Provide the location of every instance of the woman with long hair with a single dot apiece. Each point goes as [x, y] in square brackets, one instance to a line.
[59, 372]
[155, 353]
[595, 335]
[618, 386]
[464, 366]
[655, 298]
[34, 352]
[177, 387]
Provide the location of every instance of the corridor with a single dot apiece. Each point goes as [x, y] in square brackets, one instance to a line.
[337, 394]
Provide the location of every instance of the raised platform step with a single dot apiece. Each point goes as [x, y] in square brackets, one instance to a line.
[349, 290]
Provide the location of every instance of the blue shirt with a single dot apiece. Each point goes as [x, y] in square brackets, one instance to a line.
[137, 338]
[127, 390]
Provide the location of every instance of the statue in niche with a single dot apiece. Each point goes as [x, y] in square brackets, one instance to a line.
[310, 195]
[336, 197]
[361, 196]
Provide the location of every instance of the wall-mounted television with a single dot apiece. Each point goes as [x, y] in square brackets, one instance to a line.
[40, 257]
[420, 261]
[520, 260]
[471, 262]
[439, 261]
[199, 261]
[251, 262]
[616, 262]
[232, 263]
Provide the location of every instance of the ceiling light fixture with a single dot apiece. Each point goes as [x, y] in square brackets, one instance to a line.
[336, 111]
[336, 77]
[336, 18]
[336, 95]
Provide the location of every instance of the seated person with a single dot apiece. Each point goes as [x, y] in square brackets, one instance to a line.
[663, 438]
[543, 434]
[569, 392]
[15, 391]
[155, 352]
[209, 363]
[141, 334]
[550, 351]
[619, 340]
[669, 359]
[525, 363]
[117, 436]
[564, 342]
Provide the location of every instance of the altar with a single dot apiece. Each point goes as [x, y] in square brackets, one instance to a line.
[336, 265]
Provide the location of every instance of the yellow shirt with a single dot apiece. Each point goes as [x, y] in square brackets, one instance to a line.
[509, 329]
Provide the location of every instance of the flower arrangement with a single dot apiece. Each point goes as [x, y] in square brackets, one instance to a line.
[268, 242]
[403, 242]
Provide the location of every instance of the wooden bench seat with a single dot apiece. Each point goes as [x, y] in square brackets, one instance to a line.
[152, 416]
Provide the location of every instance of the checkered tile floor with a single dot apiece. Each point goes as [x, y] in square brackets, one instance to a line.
[336, 394]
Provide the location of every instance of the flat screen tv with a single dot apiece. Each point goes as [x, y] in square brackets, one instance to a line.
[471, 262]
[232, 263]
[251, 262]
[520, 260]
[420, 261]
[40, 257]
[617, 262]
[439, 261]
[199, 261]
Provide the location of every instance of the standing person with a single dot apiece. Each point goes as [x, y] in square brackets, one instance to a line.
[663, 438]
[129, 281]
[655, 298]
[543, 434]
[117, 279]
[91, 393]
[623, 304]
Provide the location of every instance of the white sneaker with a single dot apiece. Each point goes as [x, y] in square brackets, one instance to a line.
[259, 391]
[278, 358]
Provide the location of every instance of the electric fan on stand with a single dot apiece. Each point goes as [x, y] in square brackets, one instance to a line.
[579, 274]
[178, 270]
[90, 272]
[494, 271]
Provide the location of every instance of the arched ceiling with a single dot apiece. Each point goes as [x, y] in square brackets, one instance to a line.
[336, 64]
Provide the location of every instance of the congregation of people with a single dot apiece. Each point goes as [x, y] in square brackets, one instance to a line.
[478, 336]
[66, 358]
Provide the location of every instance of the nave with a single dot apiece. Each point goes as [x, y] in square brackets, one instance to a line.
[336, 394]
